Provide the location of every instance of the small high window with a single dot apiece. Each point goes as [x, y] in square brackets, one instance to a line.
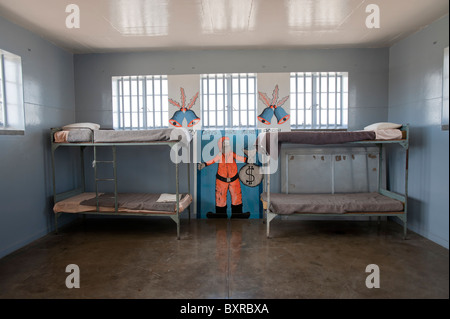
[12, 120]
[228, 100]
[319, 100]
[140, 102]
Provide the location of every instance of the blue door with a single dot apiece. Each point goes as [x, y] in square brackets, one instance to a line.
[229, 182]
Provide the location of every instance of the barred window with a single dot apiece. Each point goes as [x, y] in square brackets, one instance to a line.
[140, 102]
[319, 100]
[228, 100]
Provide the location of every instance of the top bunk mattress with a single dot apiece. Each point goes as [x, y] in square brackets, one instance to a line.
[327, 137]
[119, 136]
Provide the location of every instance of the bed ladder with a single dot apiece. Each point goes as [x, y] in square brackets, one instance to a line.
[97, 179]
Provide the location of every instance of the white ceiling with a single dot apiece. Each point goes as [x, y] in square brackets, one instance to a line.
[136, 25]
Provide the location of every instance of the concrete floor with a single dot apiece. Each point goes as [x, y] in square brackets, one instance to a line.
[141, 258]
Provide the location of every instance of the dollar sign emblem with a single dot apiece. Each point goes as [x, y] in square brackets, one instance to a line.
[250, 176]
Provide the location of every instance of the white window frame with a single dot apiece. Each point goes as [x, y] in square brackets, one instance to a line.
[140, 102]
[319, 100]
[236, 93]
[2, 94]
[12, 114]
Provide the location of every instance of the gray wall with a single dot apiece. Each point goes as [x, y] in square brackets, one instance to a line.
[25, 184]
[368, 74]
[368, 91]
[415, 97]
[401, 84]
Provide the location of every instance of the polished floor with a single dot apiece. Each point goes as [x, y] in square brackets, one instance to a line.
[141, 258]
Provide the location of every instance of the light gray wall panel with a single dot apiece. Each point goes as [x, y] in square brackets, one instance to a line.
[415, 97]
[25, 185]
[368, 74]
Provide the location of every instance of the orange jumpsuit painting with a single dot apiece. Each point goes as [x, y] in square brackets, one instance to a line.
[227, 180]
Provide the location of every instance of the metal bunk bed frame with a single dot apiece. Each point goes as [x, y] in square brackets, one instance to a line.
[61, 196]
[269, 216]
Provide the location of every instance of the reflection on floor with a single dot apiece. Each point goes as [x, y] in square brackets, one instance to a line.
[141, 258]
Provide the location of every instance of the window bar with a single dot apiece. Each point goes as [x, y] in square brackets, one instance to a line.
[296, 99]
[130, 125]
[239, 100]
[225, 93]
[202, 111]
[144, 102]
[328, 99]
[319, 106]
[118, 99]
[122, 111]
[229, 89]
[246, 100]
[304, 100]
[313, 101]
[205, 120]
[335, 100]
[215, 99]
[207, 101]
[208, 109]
[230, 101]
[255, 102]
[248, 104]
[254, 93]
[204, 104]
[137, 98]
[233, 107]
[161, 101]
[341, 103]
[153, 100]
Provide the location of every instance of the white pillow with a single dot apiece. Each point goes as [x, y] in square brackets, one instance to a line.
[85, 125]
[382, 126]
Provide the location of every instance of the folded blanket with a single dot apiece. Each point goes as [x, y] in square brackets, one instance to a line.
[73, 136]
[389, 134]
[165, 198]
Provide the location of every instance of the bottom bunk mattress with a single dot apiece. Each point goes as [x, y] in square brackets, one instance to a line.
[141, 203]
[287, 204]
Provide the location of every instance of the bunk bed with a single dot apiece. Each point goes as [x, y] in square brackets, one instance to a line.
[78, 201]
[383, 202]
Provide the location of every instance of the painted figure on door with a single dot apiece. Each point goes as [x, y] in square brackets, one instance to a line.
[227, 180]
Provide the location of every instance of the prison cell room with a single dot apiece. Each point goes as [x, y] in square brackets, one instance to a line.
[189, 150]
